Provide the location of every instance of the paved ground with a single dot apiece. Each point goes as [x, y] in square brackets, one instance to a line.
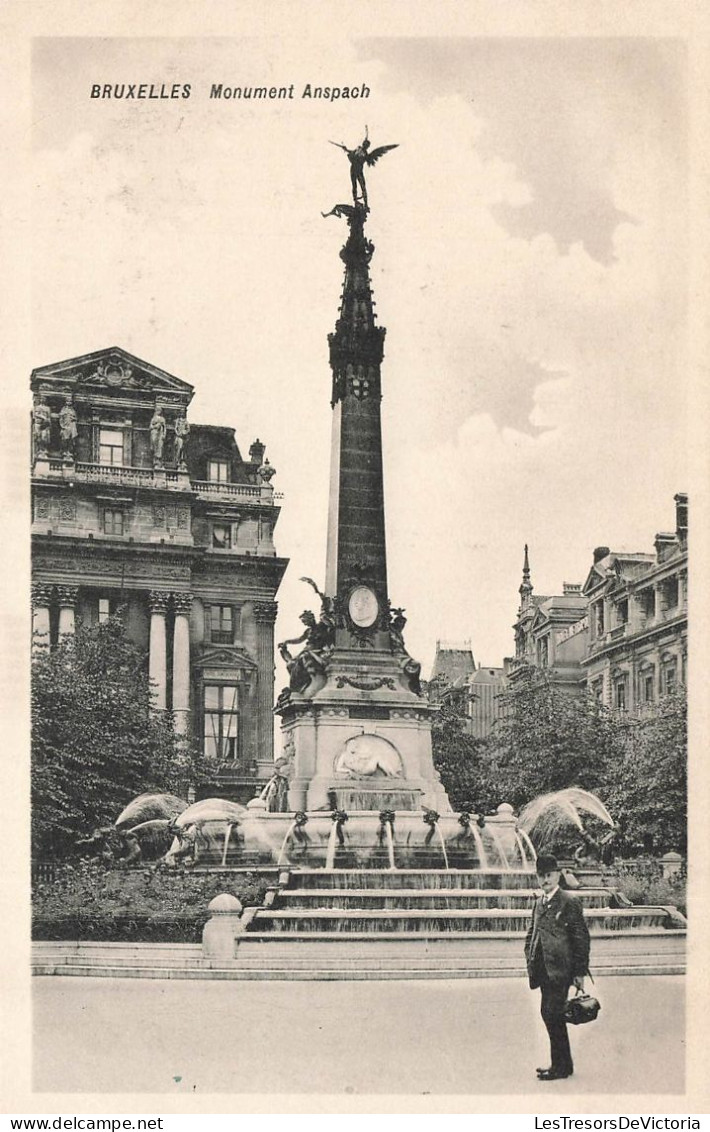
[467, 1036]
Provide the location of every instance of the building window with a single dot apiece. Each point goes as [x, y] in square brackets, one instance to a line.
[221, 536]
[620, 695]
[111, 447]
[622, 612]
[672, 592]
[221, 624]
[543, 652]
[104, 609]
[218, 471]
[221, 726]
[670, 674]
[599, 619]
[113, 521]
[649, 681]
[647, 599]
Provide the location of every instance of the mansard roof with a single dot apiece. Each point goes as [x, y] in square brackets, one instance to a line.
[564, 609]
[453, 665]
[112, 370]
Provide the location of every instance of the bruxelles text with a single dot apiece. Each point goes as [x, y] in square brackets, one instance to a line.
[163, 91]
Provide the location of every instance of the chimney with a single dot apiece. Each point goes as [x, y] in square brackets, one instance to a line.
[664, 543]
[601, 552]
[571, 588]
[681, 517]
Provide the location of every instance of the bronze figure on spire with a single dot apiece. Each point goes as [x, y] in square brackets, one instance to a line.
[359, 158]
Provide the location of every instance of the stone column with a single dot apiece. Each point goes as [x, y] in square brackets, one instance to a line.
[41, 600]
[156, 660]
[181, 662]
[67, 601]
[265, 616]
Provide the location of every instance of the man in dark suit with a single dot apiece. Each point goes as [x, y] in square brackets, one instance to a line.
[557, 954]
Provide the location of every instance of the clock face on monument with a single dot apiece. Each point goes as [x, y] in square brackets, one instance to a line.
[363, 607]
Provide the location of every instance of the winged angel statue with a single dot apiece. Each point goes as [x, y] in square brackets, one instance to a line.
[359, 157]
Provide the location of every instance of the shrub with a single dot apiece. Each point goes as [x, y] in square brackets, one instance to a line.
[641, 881]
[88, 901]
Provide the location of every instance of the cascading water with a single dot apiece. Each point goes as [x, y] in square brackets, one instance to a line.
[525, 843]
[289, 831]
[227, 835]
[443, 845]
[498, 842]
[390, 844]
[546, 817]
[330, 852]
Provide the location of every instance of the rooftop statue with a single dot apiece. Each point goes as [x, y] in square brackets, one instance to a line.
[359, 157]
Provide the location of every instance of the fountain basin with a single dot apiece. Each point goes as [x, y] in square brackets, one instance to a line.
[364, 841]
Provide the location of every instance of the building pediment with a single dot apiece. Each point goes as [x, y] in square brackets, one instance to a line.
[595, 578]
[225, 658]
[112, 369]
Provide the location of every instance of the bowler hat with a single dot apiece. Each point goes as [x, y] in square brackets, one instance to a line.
[546, 863]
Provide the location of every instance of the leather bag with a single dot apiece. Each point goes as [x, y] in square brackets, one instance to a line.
[582, 1008]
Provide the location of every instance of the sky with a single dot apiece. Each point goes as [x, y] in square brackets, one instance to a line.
[530, 269]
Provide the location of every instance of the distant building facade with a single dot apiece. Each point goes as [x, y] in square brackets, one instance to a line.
[550, 633]
[135, 509]
[638, 620]
[622, 635]
[475, 690]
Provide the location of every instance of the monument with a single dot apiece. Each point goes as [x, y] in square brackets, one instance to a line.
[355, 724]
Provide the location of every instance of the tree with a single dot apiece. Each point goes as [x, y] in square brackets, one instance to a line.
[95, 742]
[548, 739]
[461, 760]
[648, 784]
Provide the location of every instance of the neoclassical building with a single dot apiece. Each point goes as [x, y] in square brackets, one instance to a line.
[550, 633]
[638, 620]
[622, 636]
[135, 509]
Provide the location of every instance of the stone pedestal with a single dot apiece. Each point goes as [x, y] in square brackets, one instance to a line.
[362, 740]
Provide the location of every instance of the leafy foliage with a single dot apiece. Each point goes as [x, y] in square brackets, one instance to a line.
[89, 901]
[95, 742]
[549, 739]
[648, 785]
[461, 760]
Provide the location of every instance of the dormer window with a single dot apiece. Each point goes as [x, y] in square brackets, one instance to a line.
[221, 536]
[111, 447]
[218, 471]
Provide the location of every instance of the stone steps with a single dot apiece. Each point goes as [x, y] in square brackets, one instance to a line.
[359, 921]
[435, 898]
[334, 956]
[419, 879]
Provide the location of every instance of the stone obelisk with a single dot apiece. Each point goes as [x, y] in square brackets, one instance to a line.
[354, 720]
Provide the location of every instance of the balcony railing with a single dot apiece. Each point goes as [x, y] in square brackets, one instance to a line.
[244, 491]
[122, 475]
[114, 473]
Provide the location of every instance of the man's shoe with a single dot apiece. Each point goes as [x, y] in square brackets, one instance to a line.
[553, 1074]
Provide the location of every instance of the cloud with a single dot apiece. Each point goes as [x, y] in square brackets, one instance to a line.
[529, 268]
